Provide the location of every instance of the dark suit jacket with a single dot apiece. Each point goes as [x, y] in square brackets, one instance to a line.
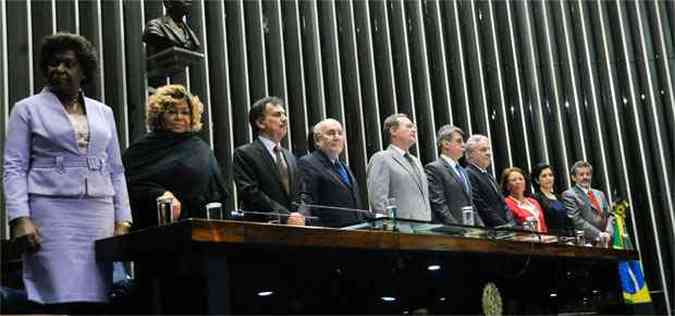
[323, 186]
[258, 181]
[447, 193]
[488, 200]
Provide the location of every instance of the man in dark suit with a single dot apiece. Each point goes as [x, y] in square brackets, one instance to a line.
[449, 187]
[587, 207]
[487, 197]
[327, 180]
[266, 174]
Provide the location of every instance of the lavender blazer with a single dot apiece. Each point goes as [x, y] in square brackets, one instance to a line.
[42, 157]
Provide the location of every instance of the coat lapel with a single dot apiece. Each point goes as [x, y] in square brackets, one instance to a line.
[61, 122]
[268, 160]
[290, 162]
[404, 163]
[456, 177]
[584, 198]
[332, 173]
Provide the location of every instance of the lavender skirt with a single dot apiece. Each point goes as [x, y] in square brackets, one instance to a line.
[65, 268]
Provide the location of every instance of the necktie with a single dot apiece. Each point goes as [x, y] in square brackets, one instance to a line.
[413, 165]
[344, 177]
[594, 202]
[493, 182]
[462, 177]
[282, 167]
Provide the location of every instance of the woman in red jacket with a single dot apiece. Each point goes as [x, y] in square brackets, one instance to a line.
[515, 187]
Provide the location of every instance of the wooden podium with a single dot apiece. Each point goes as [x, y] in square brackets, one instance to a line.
[227, 267]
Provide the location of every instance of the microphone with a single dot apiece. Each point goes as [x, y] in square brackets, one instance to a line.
[335, 208]
[241, 213]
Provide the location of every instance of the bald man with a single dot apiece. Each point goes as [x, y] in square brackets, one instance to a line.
[327, 180]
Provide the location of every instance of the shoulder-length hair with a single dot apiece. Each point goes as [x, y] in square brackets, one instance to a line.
[166, 98]
[505, 180]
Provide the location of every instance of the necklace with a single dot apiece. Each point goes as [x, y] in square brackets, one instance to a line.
[75, 107]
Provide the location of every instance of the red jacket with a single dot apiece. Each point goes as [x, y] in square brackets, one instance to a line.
[520, 214]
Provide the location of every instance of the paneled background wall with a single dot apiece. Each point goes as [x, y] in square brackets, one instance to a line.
[554, 81]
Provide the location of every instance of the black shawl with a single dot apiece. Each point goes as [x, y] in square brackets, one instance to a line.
[181, 163]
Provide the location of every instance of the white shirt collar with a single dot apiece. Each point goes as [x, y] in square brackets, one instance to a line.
[479, 168]
[269, 145]
[399, 150]
[449, 160]
[331, 158]
[583, 189]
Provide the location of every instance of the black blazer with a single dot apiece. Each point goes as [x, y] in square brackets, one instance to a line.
[488, 200]
[258, 181]
[447, 193]
[323, 186]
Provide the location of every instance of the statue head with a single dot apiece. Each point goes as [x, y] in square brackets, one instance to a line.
[177, 7]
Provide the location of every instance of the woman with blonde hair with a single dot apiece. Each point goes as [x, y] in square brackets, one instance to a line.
[172, 160]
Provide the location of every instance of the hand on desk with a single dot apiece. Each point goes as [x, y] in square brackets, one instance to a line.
[175, 204]
[296, 219]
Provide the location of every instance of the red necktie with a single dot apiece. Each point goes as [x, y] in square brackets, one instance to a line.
[594, 202]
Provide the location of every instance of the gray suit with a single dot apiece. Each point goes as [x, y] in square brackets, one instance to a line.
[448, 193]
[390, 175]
[584, 216]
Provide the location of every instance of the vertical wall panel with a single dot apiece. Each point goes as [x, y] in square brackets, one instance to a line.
[41, 17]
[199, 84]
[295, 75]
[221, 102]
[512, 60]
[316, 99]
[383, 61]
[587, 74]
[645, 206]
[654, 117]
[475, 75]
[368, 77]
[570, 93]
[255, 48]
[438, 64]
[501, 142]
[401, 63]
[457, 66]
[353, 122]
[66, 16]
[4, 108]
[136, 80]
[114, 61]
[551, 85]
[420, 81]
[276, 57]
[239, 88]
[532, 78]
[91, 29]
[330, 53]
[19, 50]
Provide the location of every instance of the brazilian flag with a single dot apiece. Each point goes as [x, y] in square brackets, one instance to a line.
[630, 272]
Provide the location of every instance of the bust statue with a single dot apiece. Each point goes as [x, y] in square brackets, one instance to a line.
[170, 30]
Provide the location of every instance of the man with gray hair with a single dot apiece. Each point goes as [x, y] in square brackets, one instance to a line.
[487, 197]
[394, 173]
[449, 186]
[587, 207]
[327, 181]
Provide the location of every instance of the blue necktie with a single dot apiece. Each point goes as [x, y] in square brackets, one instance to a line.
[460, 172]
[342, 173]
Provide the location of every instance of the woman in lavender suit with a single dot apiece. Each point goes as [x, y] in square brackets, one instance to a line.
[64, 181]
